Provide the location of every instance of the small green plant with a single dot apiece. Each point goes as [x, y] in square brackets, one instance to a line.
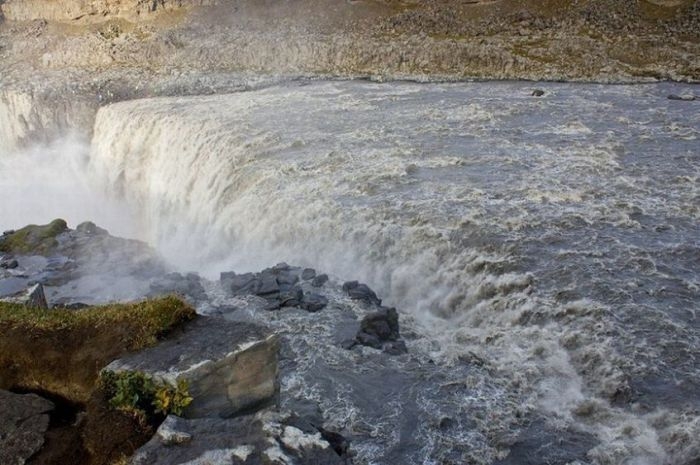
[173, 399]
[139, 394]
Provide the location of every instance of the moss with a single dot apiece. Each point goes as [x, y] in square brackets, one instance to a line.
[143, 323]
[144, 397]
[33, 239]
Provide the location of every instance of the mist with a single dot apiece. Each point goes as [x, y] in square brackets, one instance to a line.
[44, 182]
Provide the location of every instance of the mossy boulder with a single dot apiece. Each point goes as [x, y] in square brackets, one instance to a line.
[33, 239]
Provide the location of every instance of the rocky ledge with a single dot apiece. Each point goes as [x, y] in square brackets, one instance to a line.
[151, 380]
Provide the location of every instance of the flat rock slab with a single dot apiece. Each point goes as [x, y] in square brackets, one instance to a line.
[263, 438]
[23, 421]
[229, 366]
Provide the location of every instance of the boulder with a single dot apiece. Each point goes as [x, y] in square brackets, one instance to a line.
[314, 302]
[229, 367]
[263, 438]
[537, 93]
[380, 330]
[31, 297]
[319, 280]
[188, 285]
[362, 292]
[24, 420]
[308, 274]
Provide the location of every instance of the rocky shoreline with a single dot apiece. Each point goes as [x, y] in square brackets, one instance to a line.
[227, 369]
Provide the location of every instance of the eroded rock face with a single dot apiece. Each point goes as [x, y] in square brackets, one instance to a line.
[263, 438]
[23, 421]
[229, 367]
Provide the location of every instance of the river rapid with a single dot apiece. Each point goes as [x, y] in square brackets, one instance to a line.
[543, 250]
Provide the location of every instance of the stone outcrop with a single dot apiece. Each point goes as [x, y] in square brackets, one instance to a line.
[263, 438]
[229, 367]
[24, 420]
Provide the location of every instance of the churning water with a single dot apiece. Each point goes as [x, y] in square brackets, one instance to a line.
[556, 239]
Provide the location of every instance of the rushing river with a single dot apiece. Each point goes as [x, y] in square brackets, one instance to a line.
[555, 239]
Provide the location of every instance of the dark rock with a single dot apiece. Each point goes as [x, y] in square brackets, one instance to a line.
[314, 302]
[8, 232]
[380, 330]
[338, 442]
[537, 93]
[9, 264]
[384, 324]
[24, 420]
[189, 286]
[90, 228]
[263, 438]
[684, 98]
[239, 283]
[291, 298]
[287, 278]
[319, 280]
[362, 292]
[308, 274]
[267, 286]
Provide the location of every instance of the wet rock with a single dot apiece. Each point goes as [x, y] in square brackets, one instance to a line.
[32, 297]
[239, 283]
[24, 420]
[319, 280]
[263, 438]
[308, 274]
[380, 330]
[8, 232]
[90, 228]
[9, 264]
[362, 292]
[291, 298]
[537, 93]
[683, 98]
[314, 302]
[229, 367]
[189, 285]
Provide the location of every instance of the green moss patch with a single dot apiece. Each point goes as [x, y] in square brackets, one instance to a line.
[33, 239]
[61, 353]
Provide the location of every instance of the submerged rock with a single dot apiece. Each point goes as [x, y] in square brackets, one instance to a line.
[537, 93]
[229, 367]
[684, 97]
[24, 420]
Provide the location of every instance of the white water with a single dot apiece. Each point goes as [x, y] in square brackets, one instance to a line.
[542, 235]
